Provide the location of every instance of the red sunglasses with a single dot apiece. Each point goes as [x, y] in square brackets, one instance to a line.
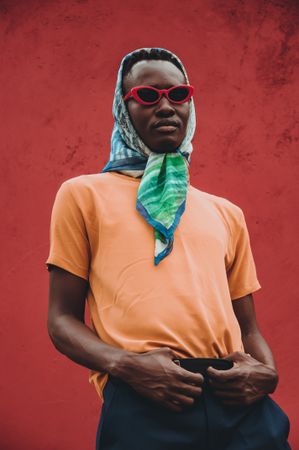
[148, 95]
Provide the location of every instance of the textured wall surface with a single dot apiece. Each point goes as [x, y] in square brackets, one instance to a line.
[59, 61]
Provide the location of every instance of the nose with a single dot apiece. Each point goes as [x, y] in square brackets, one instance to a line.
[164, 108]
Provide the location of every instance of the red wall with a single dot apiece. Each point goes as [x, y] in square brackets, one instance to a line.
[59, 61]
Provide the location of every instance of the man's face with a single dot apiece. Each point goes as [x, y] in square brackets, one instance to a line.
[145, 118]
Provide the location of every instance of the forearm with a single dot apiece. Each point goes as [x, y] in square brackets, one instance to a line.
[255, 344]
[78, 342]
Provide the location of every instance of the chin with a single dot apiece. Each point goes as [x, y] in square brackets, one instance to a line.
[165, 146]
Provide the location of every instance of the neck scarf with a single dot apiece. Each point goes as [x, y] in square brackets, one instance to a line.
[161, 197]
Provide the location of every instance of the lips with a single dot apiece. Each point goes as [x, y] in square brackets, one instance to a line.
[166, 123]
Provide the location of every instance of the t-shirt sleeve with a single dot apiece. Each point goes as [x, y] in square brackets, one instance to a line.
[241, 271]
[69, 245]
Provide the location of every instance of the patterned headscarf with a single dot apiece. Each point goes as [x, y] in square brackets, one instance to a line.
[161, 197]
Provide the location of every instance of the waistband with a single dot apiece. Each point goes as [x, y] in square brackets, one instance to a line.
[119, 382]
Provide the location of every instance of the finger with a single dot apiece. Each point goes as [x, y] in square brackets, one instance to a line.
[233, 383]
[190, 377]
[181, 400]
[172, 404]
[224, 386]
[189, 390]
[228, 395]
[223, 374]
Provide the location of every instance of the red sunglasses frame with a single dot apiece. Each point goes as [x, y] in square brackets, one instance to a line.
[133, 93]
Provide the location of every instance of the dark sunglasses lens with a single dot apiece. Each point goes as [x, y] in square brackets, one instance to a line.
[148, 95]
[179, 94]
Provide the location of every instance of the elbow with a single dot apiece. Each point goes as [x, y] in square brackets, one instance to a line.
[55, 332]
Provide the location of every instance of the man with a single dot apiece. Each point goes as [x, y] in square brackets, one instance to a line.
[168, 273]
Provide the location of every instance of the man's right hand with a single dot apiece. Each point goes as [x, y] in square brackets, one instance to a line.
[154, 375]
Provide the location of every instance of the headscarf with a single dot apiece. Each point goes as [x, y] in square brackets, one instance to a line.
[162, 192]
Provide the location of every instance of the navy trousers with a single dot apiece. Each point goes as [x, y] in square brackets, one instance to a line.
[131, 422]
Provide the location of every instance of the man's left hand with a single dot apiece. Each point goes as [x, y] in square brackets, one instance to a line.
[245, 383]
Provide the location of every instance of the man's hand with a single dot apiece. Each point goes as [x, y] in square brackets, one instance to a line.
[245, 383]
[154, 375]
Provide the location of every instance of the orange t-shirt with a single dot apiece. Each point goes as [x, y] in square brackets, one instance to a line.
[186, 301]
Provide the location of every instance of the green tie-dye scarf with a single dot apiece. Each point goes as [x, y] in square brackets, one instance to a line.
[162, 198]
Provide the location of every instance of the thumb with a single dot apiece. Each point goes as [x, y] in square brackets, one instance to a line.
[236, 356]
